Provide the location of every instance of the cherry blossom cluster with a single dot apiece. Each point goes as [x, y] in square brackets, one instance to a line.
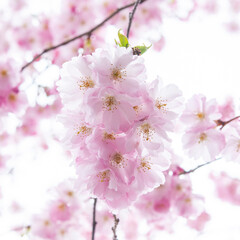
[202, 138]
[211, 130]
[172, 200]
[116, 125]
[59, 220]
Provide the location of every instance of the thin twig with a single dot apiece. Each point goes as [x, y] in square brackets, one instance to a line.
[114, 228]
[131, 14]
[88, 33]
[199, 166]
[94, 223]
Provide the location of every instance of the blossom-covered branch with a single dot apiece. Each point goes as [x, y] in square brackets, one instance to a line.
[87, 33]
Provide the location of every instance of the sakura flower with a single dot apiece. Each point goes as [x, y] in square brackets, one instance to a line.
[148, 173]
[167, 100]
[119, 69]
[111, 109]
[76, 78]
[227, 110]
[206, 143]
[59, 210]
[152, 133]
[77, 130]
[199, 111]
[199, 222]
[232, 150]
[189, 206]
[8, 76]
[44, 227]
[227, 187]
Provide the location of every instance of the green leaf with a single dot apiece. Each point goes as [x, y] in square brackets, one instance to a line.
[123, 39]
[143, 48]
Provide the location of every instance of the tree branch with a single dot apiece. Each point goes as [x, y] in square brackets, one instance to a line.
[199, 166]
[94, 223]
[114, 228]
[131, 14]
[223, 123]
[88, 33]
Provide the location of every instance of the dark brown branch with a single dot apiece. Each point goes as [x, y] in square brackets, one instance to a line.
[223, 123]
[88, 33]
[94, 223]
[131, 15]
[114, 228]
[199, 166]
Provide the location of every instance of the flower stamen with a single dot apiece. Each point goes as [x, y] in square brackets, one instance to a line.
[146, 131]
[104, 176]
[110, 103]
[202, 137]
[117, 160]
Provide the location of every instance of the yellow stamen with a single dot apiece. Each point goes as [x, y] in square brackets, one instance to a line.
[117, 160]
[161, 104]
[117, 74]
[144, 165]
[200, 115]
[110, 103]
[146, 131]
[4, 73]
[108, 136]
[202, 137]
[86, 83]
[83, 131]
[104, 176]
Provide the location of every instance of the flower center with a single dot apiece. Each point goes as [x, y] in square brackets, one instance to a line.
[147, 131]
[62, 206]
[104, 176]
[108, 136]
[117, 160]
[83, 130]
[144, 165]
[200, 115]
[202, 137]
[117, 74]
[110, 103]
[70, 193]
[137, 108]
[4, 73]
[12, 97]
[161, 104]
[86, 83]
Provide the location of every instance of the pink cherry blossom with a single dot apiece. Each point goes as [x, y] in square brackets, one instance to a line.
[232, 150]
[206, 143]
[199, 111]
[227, 187]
